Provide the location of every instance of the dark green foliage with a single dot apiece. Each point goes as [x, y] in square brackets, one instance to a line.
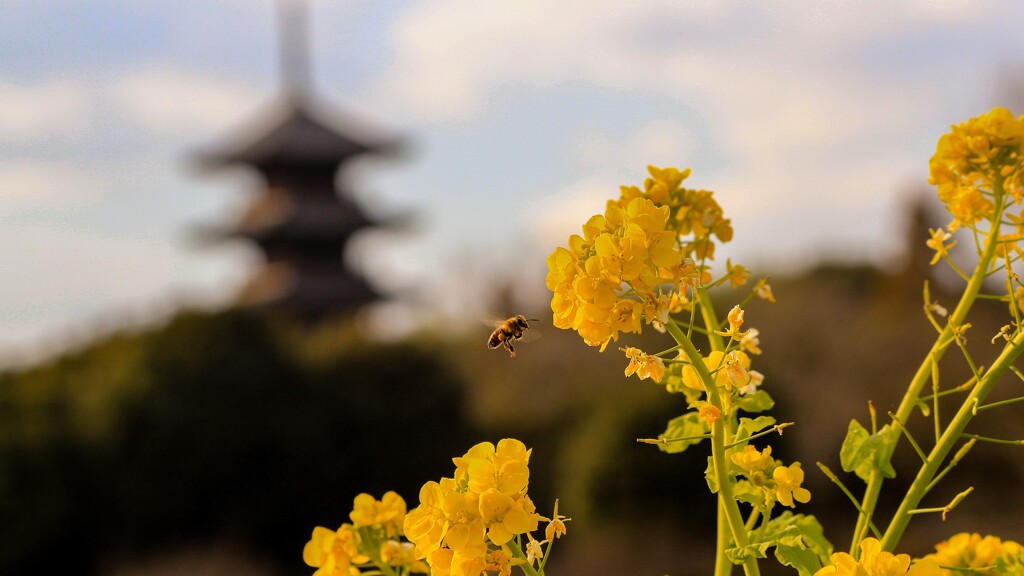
[212, 427]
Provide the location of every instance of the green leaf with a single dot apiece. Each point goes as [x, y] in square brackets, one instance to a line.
[750, 426]
[686, 426]
[862, 452]
[802, 559]
[753, 550]
[813, 535]
[744, 491]
[757, 402]
[799, 542]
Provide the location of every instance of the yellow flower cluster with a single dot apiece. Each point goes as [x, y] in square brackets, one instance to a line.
[373, 538]
[876, 562]
[632, 262]
[972, 552]
[779, 483]
[972, 158]
[463, 524]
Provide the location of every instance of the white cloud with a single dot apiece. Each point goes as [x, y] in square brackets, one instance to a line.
[661, 143]
[48, 186]
[564, 212]
[175, 102]
[57, 108]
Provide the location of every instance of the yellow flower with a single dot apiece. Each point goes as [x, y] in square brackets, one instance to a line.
[736, 370]
[664, 181]
[425, 525]
[499, 561]
[1018, 297]
[764, 291]
[505, 516]
[972, 551]
[754, 380]
[1008, 244]
[751, 460]
[787, 485]
[504, 467]
[632, 262]
[644, 365]
[334, 552]
[440, 562]
[728, 371]
[387, 513]
[709, 413]
[468, 564]
[750, 342]
[737, 274]
[556, 527]
[657, 308]
[938, 243]
[465, 534]
[876, 562]
[735, 322]
[972, 158]
[534, 551]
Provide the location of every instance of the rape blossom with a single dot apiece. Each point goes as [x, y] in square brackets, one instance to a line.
[876, 562]
[644, 365]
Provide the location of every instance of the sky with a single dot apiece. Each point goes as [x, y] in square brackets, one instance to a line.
[812, 121]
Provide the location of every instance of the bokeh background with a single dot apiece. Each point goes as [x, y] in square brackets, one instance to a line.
[150, 424]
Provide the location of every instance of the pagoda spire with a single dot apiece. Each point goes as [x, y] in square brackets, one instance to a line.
[293, 18]
[302, 215]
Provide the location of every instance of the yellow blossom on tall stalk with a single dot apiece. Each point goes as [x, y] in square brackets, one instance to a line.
[876, 562]
[971, 158]
[634, 261]
[333, 552]
[464, 524]
[387, 513]
[964, 553]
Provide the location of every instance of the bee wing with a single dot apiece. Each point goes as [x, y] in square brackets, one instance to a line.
[529, 335]
[491, 321]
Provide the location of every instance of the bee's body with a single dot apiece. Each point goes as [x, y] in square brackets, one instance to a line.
[507, 332]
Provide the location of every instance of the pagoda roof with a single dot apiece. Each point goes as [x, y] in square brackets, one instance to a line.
[277, 285]
[296, 130]
[302, 221]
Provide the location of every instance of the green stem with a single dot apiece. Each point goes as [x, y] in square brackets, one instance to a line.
[710, 320]
[517, 552]
[918, 488]
[723, 566]
[725, 495]
[923, 374]
[842, 487]
[777, 428]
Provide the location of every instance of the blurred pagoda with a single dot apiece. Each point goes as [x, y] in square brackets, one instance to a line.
[304, 214]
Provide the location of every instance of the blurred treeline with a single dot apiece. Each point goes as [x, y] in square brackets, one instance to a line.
[215, 443]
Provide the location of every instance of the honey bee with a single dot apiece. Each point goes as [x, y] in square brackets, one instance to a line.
[508, 331]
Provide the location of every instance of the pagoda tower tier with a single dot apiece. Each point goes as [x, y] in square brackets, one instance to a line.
[300, 219]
